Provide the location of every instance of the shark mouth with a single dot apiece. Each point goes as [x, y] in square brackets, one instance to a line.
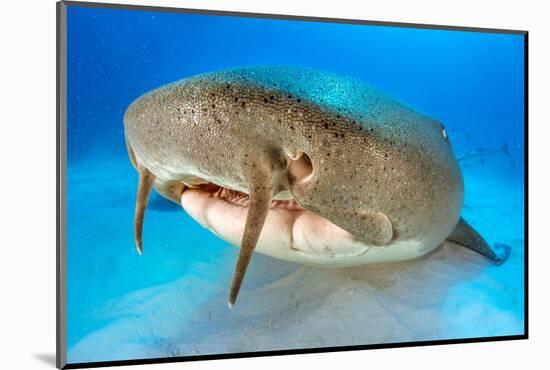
[258, 221]
[290, 232]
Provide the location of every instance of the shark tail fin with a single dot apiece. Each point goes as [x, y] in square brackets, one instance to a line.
[466, 236]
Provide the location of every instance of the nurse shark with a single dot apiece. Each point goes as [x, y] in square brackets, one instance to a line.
[301, 165]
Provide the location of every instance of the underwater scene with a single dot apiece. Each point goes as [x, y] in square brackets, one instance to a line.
[173, 299]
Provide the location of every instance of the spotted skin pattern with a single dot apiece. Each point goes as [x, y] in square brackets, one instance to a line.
[376, 168]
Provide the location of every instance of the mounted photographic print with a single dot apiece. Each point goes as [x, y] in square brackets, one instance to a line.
[235, 184]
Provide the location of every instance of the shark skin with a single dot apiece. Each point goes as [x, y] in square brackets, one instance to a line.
[301, 165]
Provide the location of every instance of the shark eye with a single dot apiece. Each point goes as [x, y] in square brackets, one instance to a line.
[441, 128]
[443, 132]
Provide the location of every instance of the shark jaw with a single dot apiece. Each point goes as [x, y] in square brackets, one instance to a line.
[290, 232]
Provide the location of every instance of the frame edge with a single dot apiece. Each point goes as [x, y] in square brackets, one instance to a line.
[61, 162]
[291, 17]
[61, 123]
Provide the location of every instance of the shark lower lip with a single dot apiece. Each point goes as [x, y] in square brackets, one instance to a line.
[290, 231]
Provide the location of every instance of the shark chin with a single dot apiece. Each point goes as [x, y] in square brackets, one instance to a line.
[290, 232]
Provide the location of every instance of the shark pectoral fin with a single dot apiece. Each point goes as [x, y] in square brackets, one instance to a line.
[466, 236]
[376, 227]
[261, 194]
[373, 227]
[146, 181]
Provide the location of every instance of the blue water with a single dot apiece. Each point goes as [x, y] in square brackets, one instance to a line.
[472, 82]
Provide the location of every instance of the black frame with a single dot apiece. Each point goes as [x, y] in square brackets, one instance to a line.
[61, 79]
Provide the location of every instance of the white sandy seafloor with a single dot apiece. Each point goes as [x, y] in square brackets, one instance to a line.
[172, 301]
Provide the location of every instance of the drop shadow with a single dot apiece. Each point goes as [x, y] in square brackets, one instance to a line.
[46, 358]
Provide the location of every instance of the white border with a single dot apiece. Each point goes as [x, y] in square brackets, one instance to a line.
[27, 153]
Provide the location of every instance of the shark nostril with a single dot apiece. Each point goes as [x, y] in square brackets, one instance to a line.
[300, 169]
